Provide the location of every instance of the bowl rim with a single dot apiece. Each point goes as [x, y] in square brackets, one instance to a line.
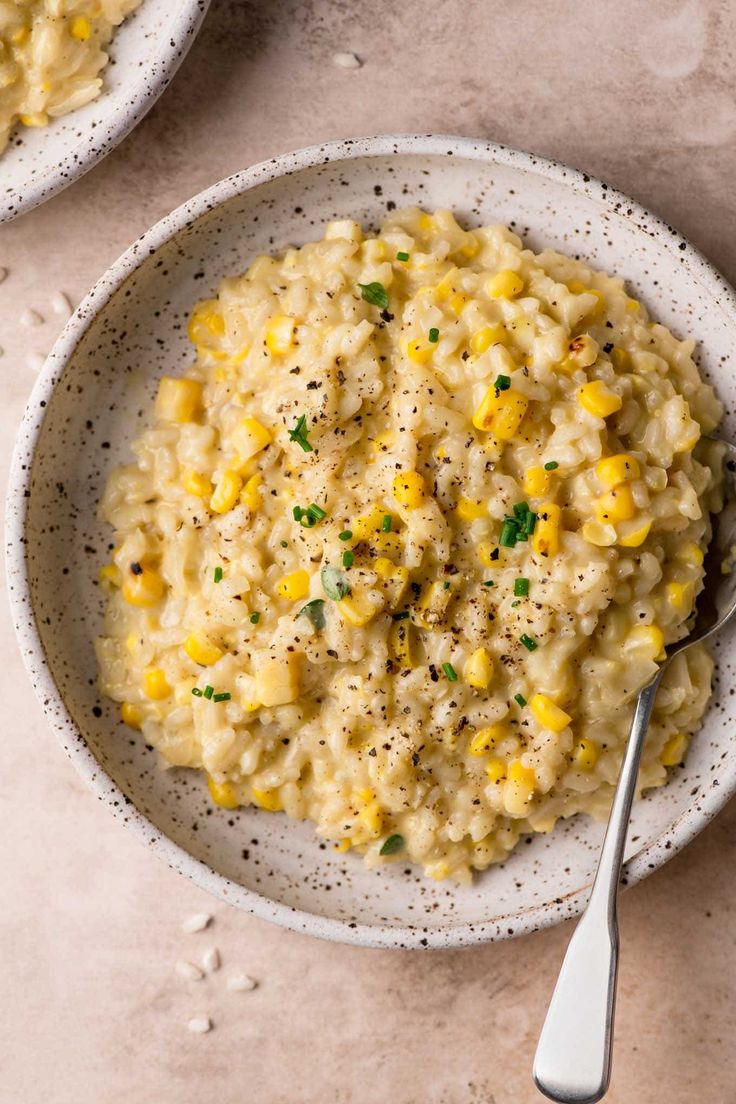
[181, 33]
[691, 821]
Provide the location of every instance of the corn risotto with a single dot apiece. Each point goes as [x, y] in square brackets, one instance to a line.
[401, 547]
[51, 55]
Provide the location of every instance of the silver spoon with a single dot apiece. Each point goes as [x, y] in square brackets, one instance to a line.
[573, 1060]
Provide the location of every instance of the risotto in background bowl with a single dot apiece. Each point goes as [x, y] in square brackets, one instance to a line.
[76, 78]
[499, 724]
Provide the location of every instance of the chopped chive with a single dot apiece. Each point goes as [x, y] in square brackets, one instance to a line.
[218, 574]
[300, 434]
[502, 383]
[488, 583]
[307, 520]
[208, 692]
[521, 509]
[316, 511]
[400, 616]
[297, 513]
[530, 644]
[446, 585]
[509, 533]
[197, 692]
[387, 523]
[375, 294]
[551, 465]
[347, 558]
[345, 535]
[450, 672]
[221, 697]
[521, 588]
[520, 700]
[392, 845]
[434, 335]
[402, 256]
[284, 544]
[254, 618]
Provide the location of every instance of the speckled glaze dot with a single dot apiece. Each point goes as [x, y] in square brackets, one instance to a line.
[88, 404]
[145, 53]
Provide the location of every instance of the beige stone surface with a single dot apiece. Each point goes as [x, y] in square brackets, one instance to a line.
[92, 1011]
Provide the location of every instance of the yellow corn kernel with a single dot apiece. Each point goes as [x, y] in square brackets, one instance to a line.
[500, 413]
[546, 536]
[496, 770]
[131, 715]
[294, 587]
[620, 360]
[143, 590]
[674, 750]
[633, 536]
[579, 288]
[438, 871]
[519, 788]
[632, 305]
[400, 644]
[356, 610]
[19, 36]
[178, 400]
[222, 793]
[426, 223]
[342, 845]
[197, 484]
[225, 494]
[468, 510]
[691, 553]
[486, 552]
[206, 326]
[447, 285]
[280, 334]
[598, 399]
[384, 567]
[419, 351]
[250, 438]
[383, 442]
[457, 302]
[268, 800]
[470, 247]
[251, 496]
[612, 471]
[201, 649]
[505, 285]
[647, 640]
[536, 480]
[479, 669]
[367, 525]
[616, 505]
[371, 817]
[486, 739]
[599, 533]
[155, 684]
[585, 754]
[581, 353]
[35, 119]
[489, 335]
[109, 573]
[80, 28]
[680, 596]
[547, 714]
[278, 679]
[409, 490]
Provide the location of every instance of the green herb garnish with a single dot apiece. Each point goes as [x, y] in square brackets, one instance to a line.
[489, 583]
[348, 558]
[197, 692]
[521, 588]
[255, 618]
[400, 616]
[387, 523]
[334, 583]
[509, 533]
[520, 700]
[450, 672]
[284, 544]
[221, 697]
[402, 256]
[502, 383]
[208, 692]
[218, 575]
[392, 845]
[434, 335]
[346, 535]
[530, 644]
[375, 294]
[316, 512]
[551, 465]
[315, 611]
[300, 434]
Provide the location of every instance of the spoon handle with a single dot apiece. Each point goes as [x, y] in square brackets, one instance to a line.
[573, 1059]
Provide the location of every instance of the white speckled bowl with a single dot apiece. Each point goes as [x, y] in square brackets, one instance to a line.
[145, 53]
[87, 406]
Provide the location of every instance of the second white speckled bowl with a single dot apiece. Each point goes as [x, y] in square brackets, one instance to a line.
[87, 406]
[145, 53]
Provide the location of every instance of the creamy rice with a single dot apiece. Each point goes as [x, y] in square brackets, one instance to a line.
[51, 55]
[399, 550]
